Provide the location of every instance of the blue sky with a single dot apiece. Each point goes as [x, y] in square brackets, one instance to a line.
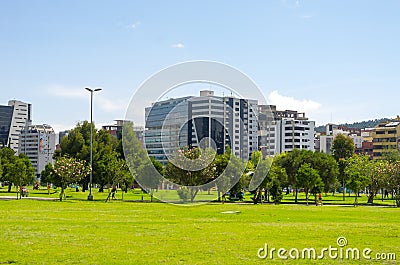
[337, 60]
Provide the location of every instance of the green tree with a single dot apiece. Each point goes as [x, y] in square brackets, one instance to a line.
[328, 170]
[278, 177]
[228, 171]
[394, 180]
[377, 171]
[342, 149]
[239, 175]
[391, 155]
[7, 156]
[357, 175]
[68, 170]
[263, 167]
[106, 153]
[191, 175]
[309, 179]
[106, 159]
[20, 172]
[223, 181]
[134, 153]
[45, 175]
[291, 162]
[77, 145]
[150, 176]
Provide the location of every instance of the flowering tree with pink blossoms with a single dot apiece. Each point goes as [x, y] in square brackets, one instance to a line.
[68, 170]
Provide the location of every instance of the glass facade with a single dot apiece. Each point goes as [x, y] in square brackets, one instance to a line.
[6, 113]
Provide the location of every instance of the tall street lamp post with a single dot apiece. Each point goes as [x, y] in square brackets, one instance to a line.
[90, 197]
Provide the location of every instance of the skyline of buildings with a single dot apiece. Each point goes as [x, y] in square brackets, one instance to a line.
[204, 120]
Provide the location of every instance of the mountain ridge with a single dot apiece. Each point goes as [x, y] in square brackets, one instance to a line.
[357, 125]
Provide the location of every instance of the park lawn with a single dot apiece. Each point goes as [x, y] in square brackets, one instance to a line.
[83, 232]
[203, 196]
[71, 194]
[337, 198]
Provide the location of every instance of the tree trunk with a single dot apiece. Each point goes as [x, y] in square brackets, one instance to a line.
[193, 194]
[295, 198]
[101, 189]
[344, 191]
[371, 197]
[356, 201]
[9, 187]
[306, 196]
[84, 187]
[61, 194]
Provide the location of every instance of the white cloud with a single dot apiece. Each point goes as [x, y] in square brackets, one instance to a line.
[290, 103]
[62, 127]
[67, 92]
[178, 45]
[108, 104]
[135, 25]
[103, 100]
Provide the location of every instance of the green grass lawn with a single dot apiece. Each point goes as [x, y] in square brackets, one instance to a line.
[204, 196]
[83, 232]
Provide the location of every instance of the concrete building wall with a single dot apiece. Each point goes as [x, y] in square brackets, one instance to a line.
[38, 142]
[223, 121]
[385, 137]
[20, 119]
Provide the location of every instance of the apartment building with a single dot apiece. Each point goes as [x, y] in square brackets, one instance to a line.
[385, 137]
[206, 120]
[14, 118]
[38, 142]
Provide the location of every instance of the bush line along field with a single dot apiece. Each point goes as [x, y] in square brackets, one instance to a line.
[84, 232]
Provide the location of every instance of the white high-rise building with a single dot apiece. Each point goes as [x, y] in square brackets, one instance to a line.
[283, 131]
[295, 134]
[223, 121]
[38, 142]
[15, 120]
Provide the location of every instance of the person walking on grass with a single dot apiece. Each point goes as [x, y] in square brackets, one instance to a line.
[320, 199]
[113, 191]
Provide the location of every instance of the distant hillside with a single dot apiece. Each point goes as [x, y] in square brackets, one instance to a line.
[357, 125]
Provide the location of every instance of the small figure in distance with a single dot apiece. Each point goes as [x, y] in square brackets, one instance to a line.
[319, 199]
[113, 191]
